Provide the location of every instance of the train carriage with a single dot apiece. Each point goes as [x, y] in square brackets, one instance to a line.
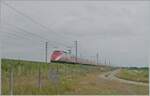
[63, 56]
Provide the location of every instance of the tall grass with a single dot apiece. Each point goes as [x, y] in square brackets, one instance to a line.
[140, 75]
[56, 78]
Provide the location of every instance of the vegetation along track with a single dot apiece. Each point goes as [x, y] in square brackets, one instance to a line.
[73, 79]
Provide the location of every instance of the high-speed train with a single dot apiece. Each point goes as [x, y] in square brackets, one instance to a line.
[63, 56]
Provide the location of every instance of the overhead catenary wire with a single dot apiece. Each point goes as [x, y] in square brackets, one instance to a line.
[35, 35]
[16, 36]
[32, 20]
[18, 45]
[23, 31]
[11, 34]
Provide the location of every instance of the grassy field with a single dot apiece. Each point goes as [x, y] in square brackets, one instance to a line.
[56, 78]
[138, 74]
[60, 78]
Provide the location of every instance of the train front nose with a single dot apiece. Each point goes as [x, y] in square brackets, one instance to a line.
[56, 56]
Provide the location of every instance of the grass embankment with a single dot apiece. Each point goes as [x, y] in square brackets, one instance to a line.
[56, 78]
[139, 75]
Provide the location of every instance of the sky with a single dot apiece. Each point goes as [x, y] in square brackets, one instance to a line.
[117, 30]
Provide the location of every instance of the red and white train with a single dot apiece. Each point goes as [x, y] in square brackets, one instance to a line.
[62, 56]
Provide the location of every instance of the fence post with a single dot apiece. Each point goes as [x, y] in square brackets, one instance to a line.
[57, 79]
[11, 79]
[39, 76]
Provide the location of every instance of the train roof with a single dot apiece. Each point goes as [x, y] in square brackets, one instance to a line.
[60, 51]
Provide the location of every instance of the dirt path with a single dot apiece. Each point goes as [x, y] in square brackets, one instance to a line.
[108, 84]
[111, 76]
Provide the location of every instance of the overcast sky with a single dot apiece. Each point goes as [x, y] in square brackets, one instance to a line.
[118, 31]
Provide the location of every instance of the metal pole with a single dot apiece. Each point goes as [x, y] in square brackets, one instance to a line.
[39, 75]
[11, 79]
[57, 79]
[109, 61]
[97, 56]
[46, 44]
[76, 46]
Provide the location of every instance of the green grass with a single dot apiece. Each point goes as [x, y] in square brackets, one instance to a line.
[26, 73]
[140, 75]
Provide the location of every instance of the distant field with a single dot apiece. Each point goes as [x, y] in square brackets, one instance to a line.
[140, 75]
[56, 78]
